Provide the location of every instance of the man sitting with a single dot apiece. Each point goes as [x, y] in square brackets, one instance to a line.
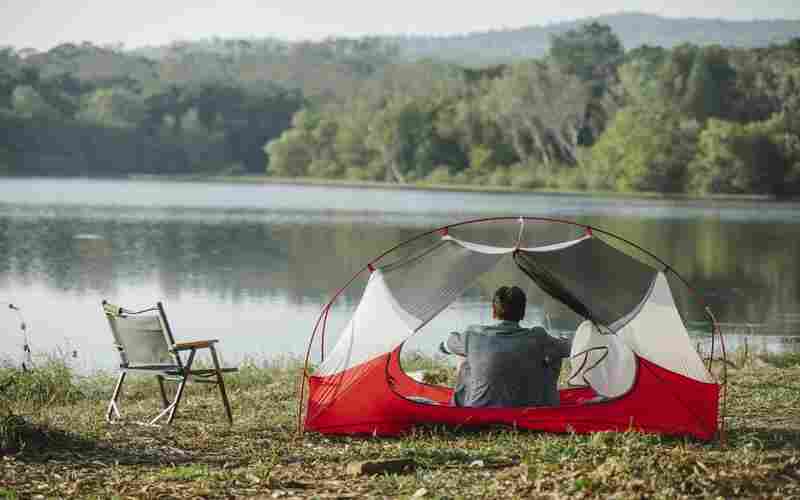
[504, 364]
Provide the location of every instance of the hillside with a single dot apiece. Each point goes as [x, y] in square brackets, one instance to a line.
[289, 63]
[633, 29]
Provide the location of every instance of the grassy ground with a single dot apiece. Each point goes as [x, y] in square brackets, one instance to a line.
[54, 442]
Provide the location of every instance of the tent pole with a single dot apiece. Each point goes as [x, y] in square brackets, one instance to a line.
[521, 230]
[717, 331]
[713, 338]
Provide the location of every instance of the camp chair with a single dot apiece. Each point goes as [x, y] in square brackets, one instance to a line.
[145, 344]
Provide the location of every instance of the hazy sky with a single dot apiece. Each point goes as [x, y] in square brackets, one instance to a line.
[43, 24]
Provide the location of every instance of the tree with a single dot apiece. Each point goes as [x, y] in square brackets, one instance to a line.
[403, 134]
[292, 154]
[698, 81]
[114, 107]
[592, 52]
[350, 148]
[645, 149]
[737, 158]
[638, 76]
[27, 102]
[288, 156]
[10, 73]
[541, 110]
[700, 98]
[163, 109]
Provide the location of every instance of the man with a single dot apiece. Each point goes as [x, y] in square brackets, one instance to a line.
[504, 364]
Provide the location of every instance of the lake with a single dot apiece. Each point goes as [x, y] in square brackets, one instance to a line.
[252, 264]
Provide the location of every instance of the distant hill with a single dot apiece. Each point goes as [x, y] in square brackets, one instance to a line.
[634, 29]
[336, 62]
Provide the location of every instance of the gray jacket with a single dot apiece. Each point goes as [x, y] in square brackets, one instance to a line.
[506, 365]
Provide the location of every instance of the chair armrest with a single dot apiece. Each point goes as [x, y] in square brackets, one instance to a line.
[196, 344]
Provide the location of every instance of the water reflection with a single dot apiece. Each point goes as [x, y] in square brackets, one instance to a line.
[256, 278]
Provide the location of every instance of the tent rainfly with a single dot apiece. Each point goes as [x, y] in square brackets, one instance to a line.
[633, 364]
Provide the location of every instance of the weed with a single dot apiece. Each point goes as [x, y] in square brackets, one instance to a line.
[782, 360]
[6, 494]
[13, 429]
[52, 382]
[18, 433]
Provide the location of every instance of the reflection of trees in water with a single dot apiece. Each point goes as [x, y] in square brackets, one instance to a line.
[230, 260]
[747, 270]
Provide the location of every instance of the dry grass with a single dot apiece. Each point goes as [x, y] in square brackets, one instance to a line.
[67, 450]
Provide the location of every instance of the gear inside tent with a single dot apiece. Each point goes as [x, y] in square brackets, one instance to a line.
[633, 365]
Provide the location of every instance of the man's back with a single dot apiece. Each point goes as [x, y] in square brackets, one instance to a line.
[507, 366]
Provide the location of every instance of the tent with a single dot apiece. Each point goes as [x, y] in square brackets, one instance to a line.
[633, 363]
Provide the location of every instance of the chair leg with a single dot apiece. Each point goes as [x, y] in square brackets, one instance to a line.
[179, 393]
[164, 400]
[173, 407]
[221, 384]
[112, 405]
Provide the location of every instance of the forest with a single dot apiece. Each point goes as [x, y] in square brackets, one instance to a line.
[588, 114]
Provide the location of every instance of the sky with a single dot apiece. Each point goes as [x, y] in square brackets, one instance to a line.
[43, 24]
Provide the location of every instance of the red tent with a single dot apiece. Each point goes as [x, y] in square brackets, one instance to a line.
[633, 364]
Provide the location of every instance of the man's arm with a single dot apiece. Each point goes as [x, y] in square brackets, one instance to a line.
[455, 344]
[560, 347]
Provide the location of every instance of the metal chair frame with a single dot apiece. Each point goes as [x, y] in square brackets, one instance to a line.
[177, 371]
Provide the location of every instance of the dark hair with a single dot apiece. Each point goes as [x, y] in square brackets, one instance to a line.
[509, 303]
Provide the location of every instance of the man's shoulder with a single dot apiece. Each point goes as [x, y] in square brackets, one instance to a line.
[542, 333]
[501, 328]
[471, 329]
[477, 328]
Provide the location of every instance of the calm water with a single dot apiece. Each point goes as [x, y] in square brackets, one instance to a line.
[253, 264]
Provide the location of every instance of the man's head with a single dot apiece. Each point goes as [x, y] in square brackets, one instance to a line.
[509, 303]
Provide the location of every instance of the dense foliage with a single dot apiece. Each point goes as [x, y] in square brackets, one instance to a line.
[586, 115]
[589, 116]
[85, 110]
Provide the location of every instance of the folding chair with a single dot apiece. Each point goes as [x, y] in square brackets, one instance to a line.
[146, 345]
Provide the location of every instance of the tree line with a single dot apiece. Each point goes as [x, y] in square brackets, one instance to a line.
[587, 115]
[81, 109]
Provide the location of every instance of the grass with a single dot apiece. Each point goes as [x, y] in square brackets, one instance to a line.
[62, 447]
[782, 360]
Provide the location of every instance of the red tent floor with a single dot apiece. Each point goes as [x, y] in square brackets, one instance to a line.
[373, 398]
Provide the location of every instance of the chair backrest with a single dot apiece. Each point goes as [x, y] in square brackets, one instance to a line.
[143, 338]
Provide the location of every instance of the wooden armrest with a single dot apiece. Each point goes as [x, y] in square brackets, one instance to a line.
[196, 344]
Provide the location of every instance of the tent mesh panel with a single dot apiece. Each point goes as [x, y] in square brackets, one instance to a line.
[594, 279]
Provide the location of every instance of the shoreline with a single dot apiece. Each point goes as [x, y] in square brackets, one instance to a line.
[458, 188]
